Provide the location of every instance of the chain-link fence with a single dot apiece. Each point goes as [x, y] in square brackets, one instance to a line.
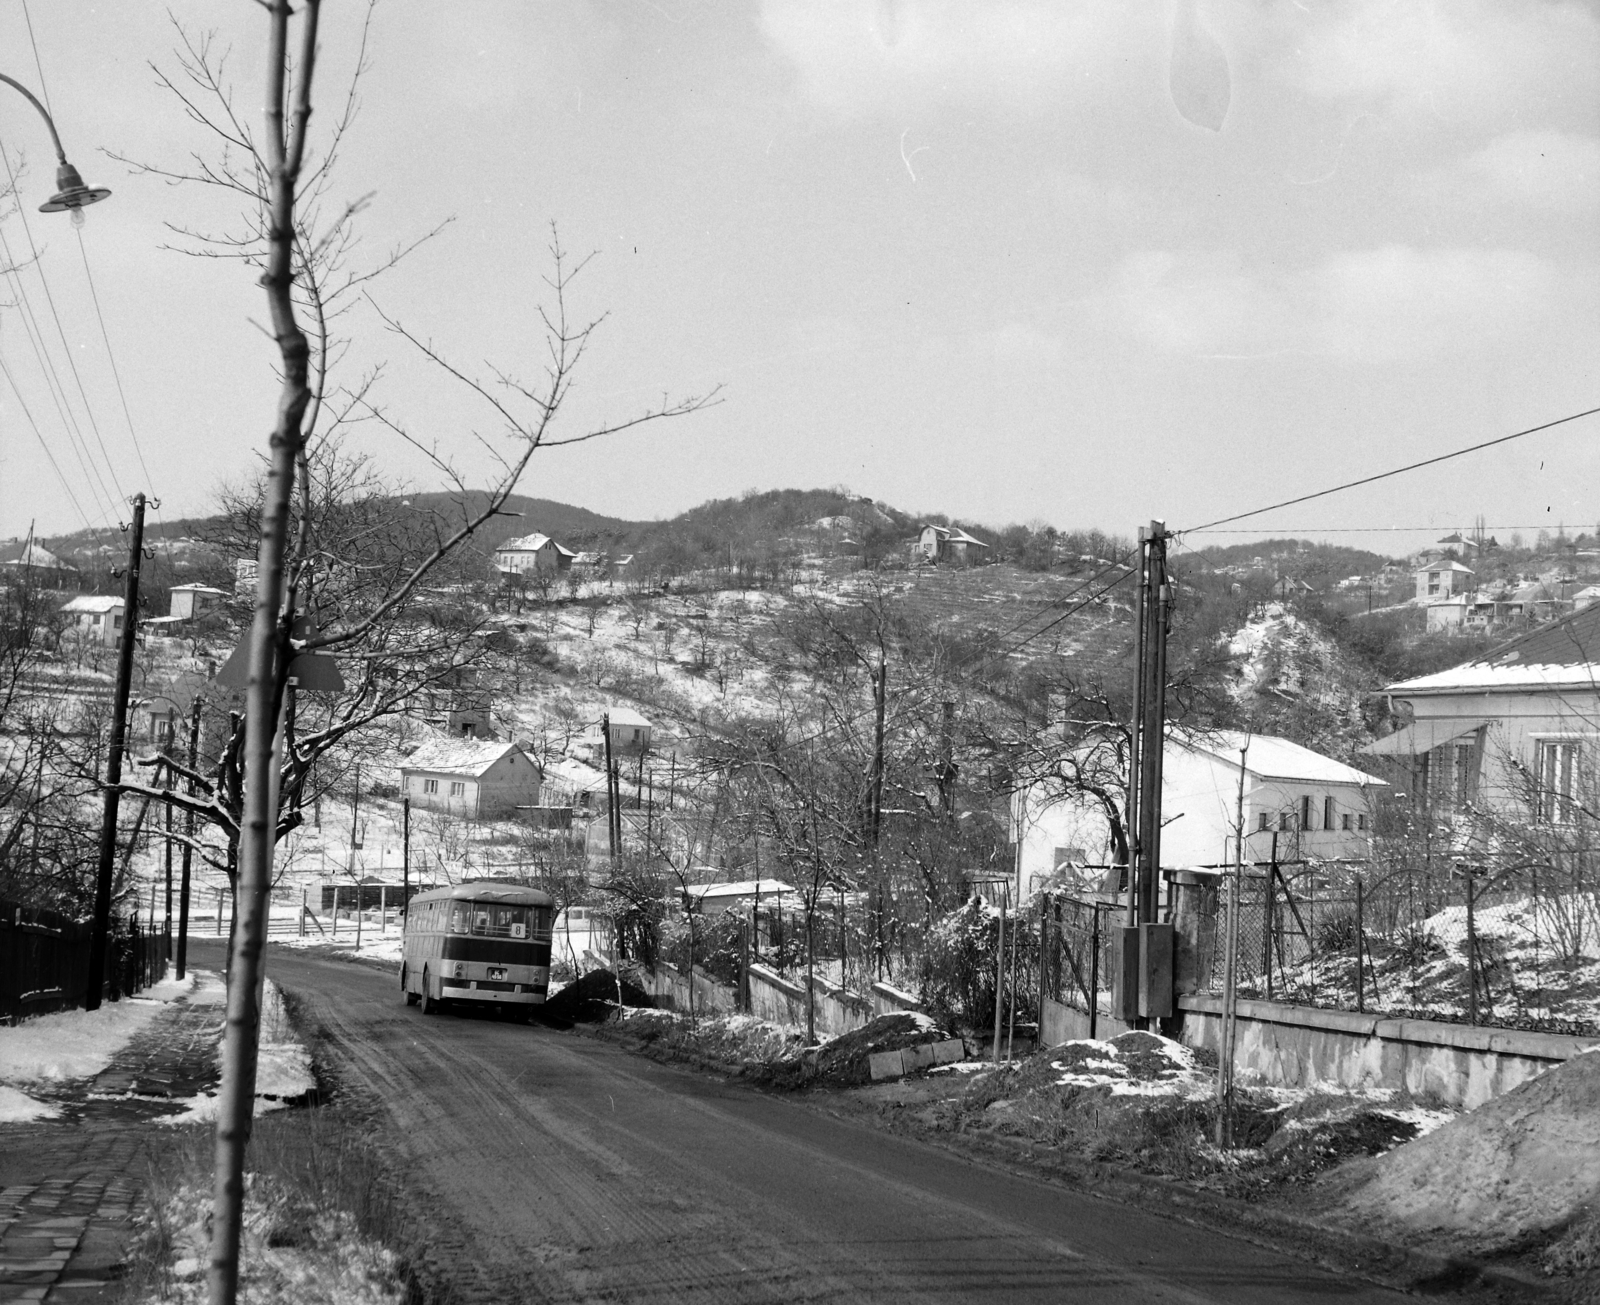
[1074, 963]
[1462, 943]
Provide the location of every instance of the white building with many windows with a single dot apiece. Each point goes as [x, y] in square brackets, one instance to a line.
[1520, 725]
[478, 779]
[1314, 805]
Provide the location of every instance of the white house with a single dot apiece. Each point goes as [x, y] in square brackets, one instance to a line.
[188, 601]
[630, 732]
[479, 779]
[1523, 718]
[532, 554]
[947, 545]
[98, 615]
[1318, 807]
[1442, 579]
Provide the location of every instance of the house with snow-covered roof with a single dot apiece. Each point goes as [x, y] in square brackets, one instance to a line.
[98, 616]
[1524, 719]
[532, 554]
[1312, 805]
[947, 546]
[478, 779]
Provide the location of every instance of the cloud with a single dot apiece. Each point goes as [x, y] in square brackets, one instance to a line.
[1552, 170]
[1383, 305]
[1007, 54]
[1467, 60]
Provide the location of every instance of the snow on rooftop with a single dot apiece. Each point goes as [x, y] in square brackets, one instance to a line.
[1270, 757]
[532, 544]
[459, 756]
[740, 888]
[92, 603]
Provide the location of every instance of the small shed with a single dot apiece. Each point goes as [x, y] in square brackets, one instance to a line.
[188, 601]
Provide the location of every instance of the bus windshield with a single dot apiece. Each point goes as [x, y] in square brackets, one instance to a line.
[489, 919]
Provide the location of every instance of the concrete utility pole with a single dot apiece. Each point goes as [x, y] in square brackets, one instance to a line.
[113, 781]
[405, 855]
[1144, 978]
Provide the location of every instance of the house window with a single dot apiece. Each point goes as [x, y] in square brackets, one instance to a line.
[1361, 822]
[1305, 814]
[458, 788]
[1263, 820]
[430, 786]
[1558, 780]
[1327, 813]
[1345, 821]
[1285, 821]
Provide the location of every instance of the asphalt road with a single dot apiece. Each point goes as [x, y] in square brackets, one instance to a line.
[565, 1169]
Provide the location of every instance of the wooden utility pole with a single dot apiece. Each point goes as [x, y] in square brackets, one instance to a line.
[168, 955]
[405, 855]
[113, 780]
[188, 849]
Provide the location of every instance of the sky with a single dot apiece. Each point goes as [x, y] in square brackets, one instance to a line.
[1088, 263]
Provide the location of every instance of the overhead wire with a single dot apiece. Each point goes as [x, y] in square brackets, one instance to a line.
[1396, 471]
[66, 485]
[93, 480]
[72, 365]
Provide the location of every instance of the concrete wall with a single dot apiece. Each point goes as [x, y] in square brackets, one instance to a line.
[670, 988]
[1297, 1046]
[1062, 1023]
[889, 1000]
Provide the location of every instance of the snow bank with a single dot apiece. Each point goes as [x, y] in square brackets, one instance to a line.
[19, 1108]
[74, 1044]
[1132, 1064]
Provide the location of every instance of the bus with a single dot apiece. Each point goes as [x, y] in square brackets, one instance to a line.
[481, 942]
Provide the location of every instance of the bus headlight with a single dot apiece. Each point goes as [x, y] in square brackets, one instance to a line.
[461, 970]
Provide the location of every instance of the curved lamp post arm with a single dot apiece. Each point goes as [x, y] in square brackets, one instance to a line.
[71, 194]
[44, 113]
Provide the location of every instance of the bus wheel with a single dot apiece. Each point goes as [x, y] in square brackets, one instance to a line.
[405, 979]
[430, 1003]
[523, 1014]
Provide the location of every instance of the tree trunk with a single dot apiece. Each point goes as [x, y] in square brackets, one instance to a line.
[235, 1107]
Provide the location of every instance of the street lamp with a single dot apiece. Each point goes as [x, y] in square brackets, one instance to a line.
[71, 194]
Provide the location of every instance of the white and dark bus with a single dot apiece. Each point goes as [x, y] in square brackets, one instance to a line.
[479, 942]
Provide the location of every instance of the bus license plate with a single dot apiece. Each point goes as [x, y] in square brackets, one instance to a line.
[496, 972]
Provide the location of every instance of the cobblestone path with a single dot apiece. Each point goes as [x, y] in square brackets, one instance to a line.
[67, 1185]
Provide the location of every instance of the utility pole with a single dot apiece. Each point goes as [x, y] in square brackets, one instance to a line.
[168, 955]
[188, 849]
[611, 788]
[405, 855]
[1145, 975]
[881, 694]
[113, 781]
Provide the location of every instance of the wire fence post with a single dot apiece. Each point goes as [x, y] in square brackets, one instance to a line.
[1094, 970]
[1472, 949]
[1266, 918]
[1361, 934]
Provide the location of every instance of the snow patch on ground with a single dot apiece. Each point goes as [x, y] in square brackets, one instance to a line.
[283, 1066]
[327, 1262]
[1133, 1064]
[75, 1044]
[19, 1108]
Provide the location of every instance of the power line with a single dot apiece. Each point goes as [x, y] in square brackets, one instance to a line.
[111, 358]
[1368, 530]
[61, 332]
[1397, 471]
[43, 444]
[30, 323]
[43, 89]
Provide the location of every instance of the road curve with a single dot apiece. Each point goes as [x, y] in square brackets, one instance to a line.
[565, 1169]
